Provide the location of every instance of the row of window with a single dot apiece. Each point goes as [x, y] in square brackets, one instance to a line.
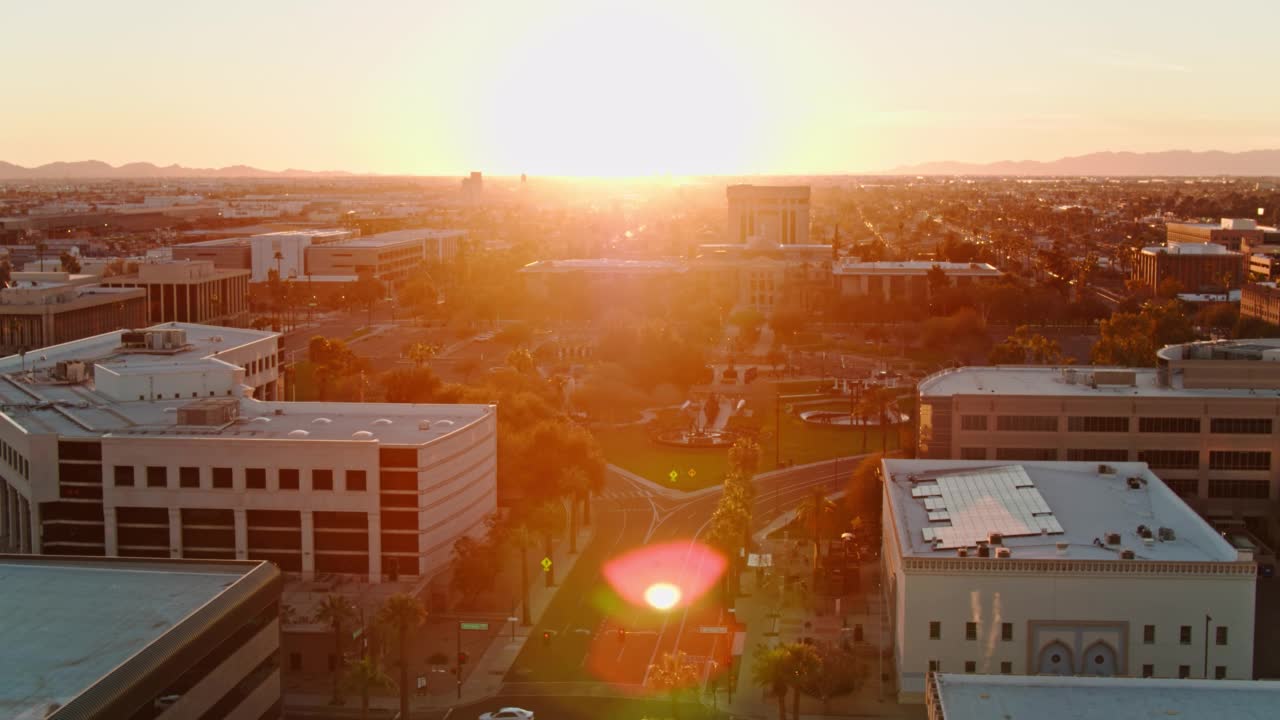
[15, 459]
[1118, 424]
[1155, 459]
[970, 631]
[1148, 632]
[1148, 669]
[222, 478]
[1184, 634]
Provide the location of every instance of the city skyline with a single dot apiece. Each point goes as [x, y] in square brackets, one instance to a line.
[571, 88]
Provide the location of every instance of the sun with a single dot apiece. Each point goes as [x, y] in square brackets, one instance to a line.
[617, 90]
[662, 596]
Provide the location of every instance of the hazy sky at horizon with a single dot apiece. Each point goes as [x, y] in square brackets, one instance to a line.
[620, 88]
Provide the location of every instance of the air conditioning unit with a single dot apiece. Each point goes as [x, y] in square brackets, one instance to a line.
[1113, 538]
[1003, 552]
[962, 552]
[995, 538]
[984, 550]
[1134, 483]
[1126, 554]
[1165, 534]
[1106, 470]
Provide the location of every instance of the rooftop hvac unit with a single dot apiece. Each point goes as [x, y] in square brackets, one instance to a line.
[1003, 552]
[424, 424]
[962, 552]
[1061, 547]
[1165, 534]
[984, 550]
[995, 538]
[74, 371]
[1113, 538]
[1106, 470]
[1134, 483]
[1144, 531]
[1126, 554]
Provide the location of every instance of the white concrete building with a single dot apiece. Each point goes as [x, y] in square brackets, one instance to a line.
[151, 444]
[291, 246]
[1057, 569]
[983, 697]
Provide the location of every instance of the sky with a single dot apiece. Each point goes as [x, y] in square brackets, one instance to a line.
[594, 87]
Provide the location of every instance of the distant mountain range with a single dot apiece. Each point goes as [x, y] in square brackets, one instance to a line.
[96, 169]
[1167, 163]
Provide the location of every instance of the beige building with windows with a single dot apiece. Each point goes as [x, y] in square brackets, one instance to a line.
[189, 291]
[774, 215]
[1057, 568]
[51, 308]
[902, 281]
[151, 444]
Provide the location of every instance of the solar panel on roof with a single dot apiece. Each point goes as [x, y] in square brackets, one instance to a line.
[980, 502]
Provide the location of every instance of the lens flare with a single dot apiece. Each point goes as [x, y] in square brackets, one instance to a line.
[690, 568]
[662, 596]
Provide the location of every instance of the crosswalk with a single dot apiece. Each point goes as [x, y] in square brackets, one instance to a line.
[622, 494]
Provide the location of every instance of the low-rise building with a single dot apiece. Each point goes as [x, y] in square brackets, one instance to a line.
[1057, 568]
[895, 281]
[1261, 301]
[953, 696]
[107, 638]
[1203, 419]
[1197, 267]
[41, 309]
[167, 443]
[389, 256]
[189, 291]
[1235, 234]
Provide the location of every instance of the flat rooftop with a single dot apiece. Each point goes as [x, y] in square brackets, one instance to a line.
[1067, 381]
[33, 400]
[604, 265]
[912, 267]
[395, 237]
[1079, 504]
[69, 623]
[1188, 249]
[1045, 697]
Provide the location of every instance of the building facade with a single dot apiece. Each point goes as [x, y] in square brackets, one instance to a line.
[41, 309]
[162, 452]
[1203, 267]
[1235, 234]
[1204, 420]
[777, 215]
[189, 292]
[894, 281]
[1261, 301]
[1054, 569]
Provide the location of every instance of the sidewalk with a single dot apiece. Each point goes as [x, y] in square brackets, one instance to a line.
[489, 670]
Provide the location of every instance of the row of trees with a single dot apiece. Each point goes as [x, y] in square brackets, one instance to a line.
[394, 625]
[730, 526]
[821, 672]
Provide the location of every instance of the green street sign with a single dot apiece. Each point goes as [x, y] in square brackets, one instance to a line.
[546, 564]
[473, 626]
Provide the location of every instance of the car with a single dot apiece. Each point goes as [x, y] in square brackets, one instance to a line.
[508, 713]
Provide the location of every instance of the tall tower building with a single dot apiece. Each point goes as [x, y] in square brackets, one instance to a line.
[776, 215]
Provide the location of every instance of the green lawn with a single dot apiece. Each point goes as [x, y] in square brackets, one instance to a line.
[631, 448]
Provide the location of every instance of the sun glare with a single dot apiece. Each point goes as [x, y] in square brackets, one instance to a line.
[618, 91]
[662, 596]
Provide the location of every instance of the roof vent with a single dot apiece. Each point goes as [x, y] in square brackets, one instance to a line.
[1148, 541]
[1165, 534]
[446, 423]
[1062, 547]
[995, 538]
[424, 424]
[1106, 470]
[215, 338]
[1134, 483]
[171, 410]
[362, 434]
[1003, 552]
[261, 419]
[962, 552]
[1113, 538]
[1144, 531]
[984, 550]
[298, 433]
[321, 421]
[1126, 554]
[278, 412]
[382, 421]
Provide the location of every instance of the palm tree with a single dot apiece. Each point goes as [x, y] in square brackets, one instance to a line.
[769, 671]
[363, 676]
[336, 611]
[420, 353]
[811, 512]
[673, 673]
[401, 615]
[802, 664]
[577, 485]
[521, 537]
[547, 520]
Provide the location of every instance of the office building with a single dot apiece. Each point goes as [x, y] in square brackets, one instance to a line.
[1235, 234]
[108, 638]
[904, 281]
[1197, 267]
[774, 215]
[285, 252]
[169, 442]
[1057, 568]
[1203, 420]
[954, 696]
[390, 256]
[1261, 301]
[40, 309]
[189, 292]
